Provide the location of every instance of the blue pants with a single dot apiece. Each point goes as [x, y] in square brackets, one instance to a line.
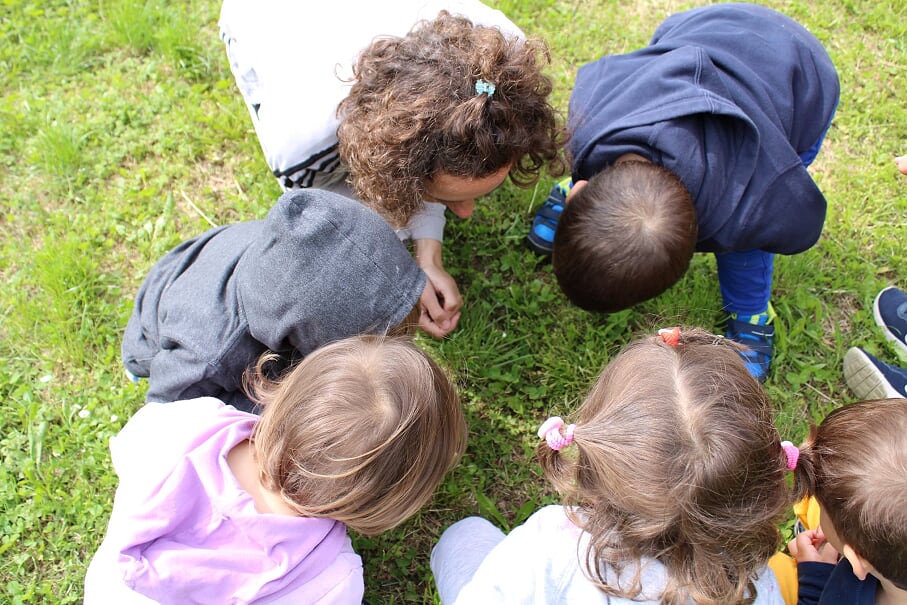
[745, 278]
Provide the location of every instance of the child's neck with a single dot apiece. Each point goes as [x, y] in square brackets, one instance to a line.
[241, 460]
[889, 594]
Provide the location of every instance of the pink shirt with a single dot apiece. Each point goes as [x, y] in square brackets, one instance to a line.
[184, 531]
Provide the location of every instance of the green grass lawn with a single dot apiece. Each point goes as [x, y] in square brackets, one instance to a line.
[122, 133]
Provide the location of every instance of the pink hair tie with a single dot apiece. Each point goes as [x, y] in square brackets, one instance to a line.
[792, 452]
[671, 336]
[550, 431]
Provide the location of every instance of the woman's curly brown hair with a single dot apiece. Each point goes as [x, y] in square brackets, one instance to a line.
[413, 112]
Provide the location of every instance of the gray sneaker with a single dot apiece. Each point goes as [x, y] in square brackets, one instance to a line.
[870, 378]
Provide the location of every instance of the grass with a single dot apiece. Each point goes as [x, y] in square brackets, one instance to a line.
[122, 133]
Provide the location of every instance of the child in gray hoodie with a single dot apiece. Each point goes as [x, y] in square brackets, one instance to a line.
[318, 268]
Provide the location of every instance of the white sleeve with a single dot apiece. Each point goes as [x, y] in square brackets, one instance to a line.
[506, 574]
[459, 553]
[535, 564]
[428, 223]
[768, 592]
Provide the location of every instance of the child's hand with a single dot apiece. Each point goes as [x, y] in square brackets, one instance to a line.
[811, 545]
[901, 162]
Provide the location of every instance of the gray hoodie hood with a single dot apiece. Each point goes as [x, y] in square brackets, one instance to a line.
[318, 268]
[323, 267]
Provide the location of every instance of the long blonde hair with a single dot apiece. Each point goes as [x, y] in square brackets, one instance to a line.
[676, 459]
[361, 431]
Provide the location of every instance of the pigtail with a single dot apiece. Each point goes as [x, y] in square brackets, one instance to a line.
[559, 467]
[806, 470]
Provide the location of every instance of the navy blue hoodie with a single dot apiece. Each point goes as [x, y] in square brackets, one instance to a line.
[726, 97]
[320, 267]
[827, 584]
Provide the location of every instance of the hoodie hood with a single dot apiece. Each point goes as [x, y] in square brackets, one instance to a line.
[320, 267]
[324, 266]
[726, 97]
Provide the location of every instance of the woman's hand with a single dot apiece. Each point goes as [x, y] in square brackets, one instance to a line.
[441, 301]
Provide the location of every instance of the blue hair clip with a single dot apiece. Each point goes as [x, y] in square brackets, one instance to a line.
[483, 87]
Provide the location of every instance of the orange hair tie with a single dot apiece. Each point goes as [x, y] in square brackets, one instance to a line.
[671, 336]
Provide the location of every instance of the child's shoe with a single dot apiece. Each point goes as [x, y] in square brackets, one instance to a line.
[544, 225]
[870, 378]
[757, 333]
[890, 310]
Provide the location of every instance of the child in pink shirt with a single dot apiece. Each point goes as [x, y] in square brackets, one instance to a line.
[216, 505]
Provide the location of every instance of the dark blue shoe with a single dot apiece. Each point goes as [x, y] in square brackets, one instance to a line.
[544, 225]
[890, 310]
[870, 378]
[760, 342]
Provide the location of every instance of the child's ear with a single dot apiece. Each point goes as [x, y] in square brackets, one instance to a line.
[861, 567]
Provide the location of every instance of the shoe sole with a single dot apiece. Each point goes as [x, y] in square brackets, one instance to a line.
[545, 251]
[889, 335]
[865, 379]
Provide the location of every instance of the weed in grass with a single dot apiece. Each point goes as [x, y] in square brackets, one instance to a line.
[132, 23]
[59, 151]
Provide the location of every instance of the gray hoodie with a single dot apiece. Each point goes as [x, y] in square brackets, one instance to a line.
[320, 267]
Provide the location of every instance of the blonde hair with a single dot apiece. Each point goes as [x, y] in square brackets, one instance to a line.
[854, 464]
[676, 459]
[361, 431]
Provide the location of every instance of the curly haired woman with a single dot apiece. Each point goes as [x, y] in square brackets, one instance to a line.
[417, 106]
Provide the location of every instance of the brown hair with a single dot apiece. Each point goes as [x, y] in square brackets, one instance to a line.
[361, 431]
[626, 237]
[855, 464]
[413, 112]
[409, 325]
[676, 459]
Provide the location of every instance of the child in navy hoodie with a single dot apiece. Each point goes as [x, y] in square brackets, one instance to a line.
[698, 142]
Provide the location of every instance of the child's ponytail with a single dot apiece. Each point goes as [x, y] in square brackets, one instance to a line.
[558, 467]
[805, 469]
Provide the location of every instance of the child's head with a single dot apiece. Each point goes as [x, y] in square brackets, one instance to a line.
[855, 464]
[676, 458]
[625, 237]
[361, 431]
[415, 113]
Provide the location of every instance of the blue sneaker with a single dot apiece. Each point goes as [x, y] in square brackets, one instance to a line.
[870, 378]
[757, 334]
[544, 225]
[890, 311]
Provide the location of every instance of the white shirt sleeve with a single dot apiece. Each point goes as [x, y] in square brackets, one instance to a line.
[535, 564]
[428, 223]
